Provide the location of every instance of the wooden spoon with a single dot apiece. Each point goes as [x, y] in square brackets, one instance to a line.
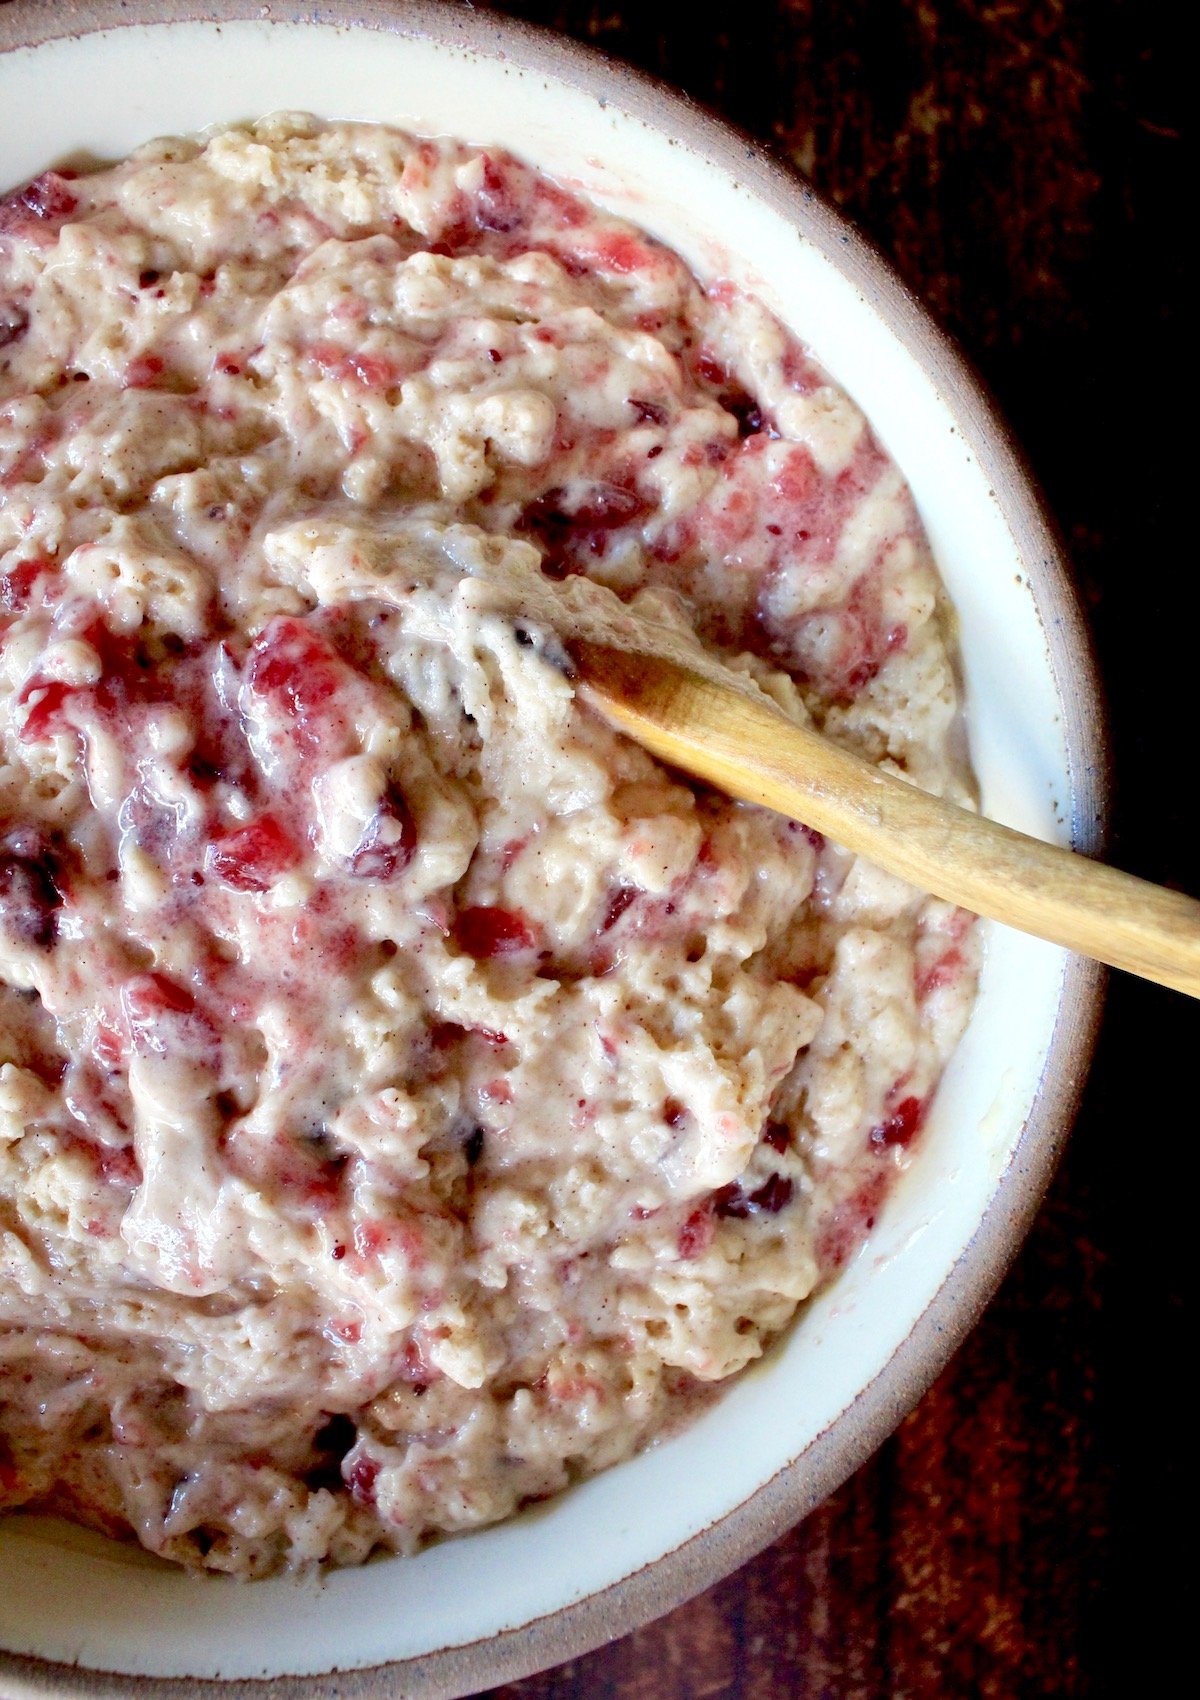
[738, 740]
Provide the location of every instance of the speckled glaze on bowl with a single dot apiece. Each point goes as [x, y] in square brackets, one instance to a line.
[82, 1616]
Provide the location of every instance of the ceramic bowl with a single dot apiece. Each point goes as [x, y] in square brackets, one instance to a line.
[79, 1615]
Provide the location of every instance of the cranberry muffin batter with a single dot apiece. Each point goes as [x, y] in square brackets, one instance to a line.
[413, 1097]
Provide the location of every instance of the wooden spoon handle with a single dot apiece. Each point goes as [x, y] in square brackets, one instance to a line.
[745, 745]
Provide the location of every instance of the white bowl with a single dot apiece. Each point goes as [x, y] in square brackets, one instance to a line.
[634, 1542]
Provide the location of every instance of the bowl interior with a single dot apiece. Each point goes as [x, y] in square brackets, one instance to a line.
[73, 1597]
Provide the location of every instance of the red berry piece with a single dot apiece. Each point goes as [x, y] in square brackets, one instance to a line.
[47, 200]
[734, 1202]
[484, 931]
[777, 1136]
[298, 673]
[253, 857]
[45, 700]
[773, 1195]
[30, 893]
[696, 1234]
[360, 1476]
[602, 507]
[353, 366]
[731, 1202]
[710, 369]
[900, 1126]
[18, 584]
[619, 900]
[144, 372]
[387, 846]
[14, 322]
[159, 1014]
[497, 208]
[620, 251]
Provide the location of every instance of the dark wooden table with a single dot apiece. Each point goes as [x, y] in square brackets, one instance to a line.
[1020, 161]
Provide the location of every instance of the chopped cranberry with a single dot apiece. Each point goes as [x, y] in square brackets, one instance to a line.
[293, 666]
[47, 199]
[253, 857]
[696, 1234]
[368, 371]
[731, 1202]
[555, 567]
[745, 410]
[603, 507]
[621, 251]
[777, 1135]
[497, 208]
[901, 1125]
[30, 893]
[18, 583]
[14, 322]
[361, 1477]
[485, 931]
[144, 371]
[387, 846]
[774, 1193]
[708, 367]
[45, 700]
[673, 1112]
[159, 1014]
[619, 900]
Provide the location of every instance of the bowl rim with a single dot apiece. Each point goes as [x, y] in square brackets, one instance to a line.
[846, 1443]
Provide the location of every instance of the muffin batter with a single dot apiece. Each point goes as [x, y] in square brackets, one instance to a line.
[413, 1097]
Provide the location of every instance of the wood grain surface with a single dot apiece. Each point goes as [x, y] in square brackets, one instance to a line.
[1021, 163]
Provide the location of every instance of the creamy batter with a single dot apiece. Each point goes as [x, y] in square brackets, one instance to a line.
[413, 1097]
